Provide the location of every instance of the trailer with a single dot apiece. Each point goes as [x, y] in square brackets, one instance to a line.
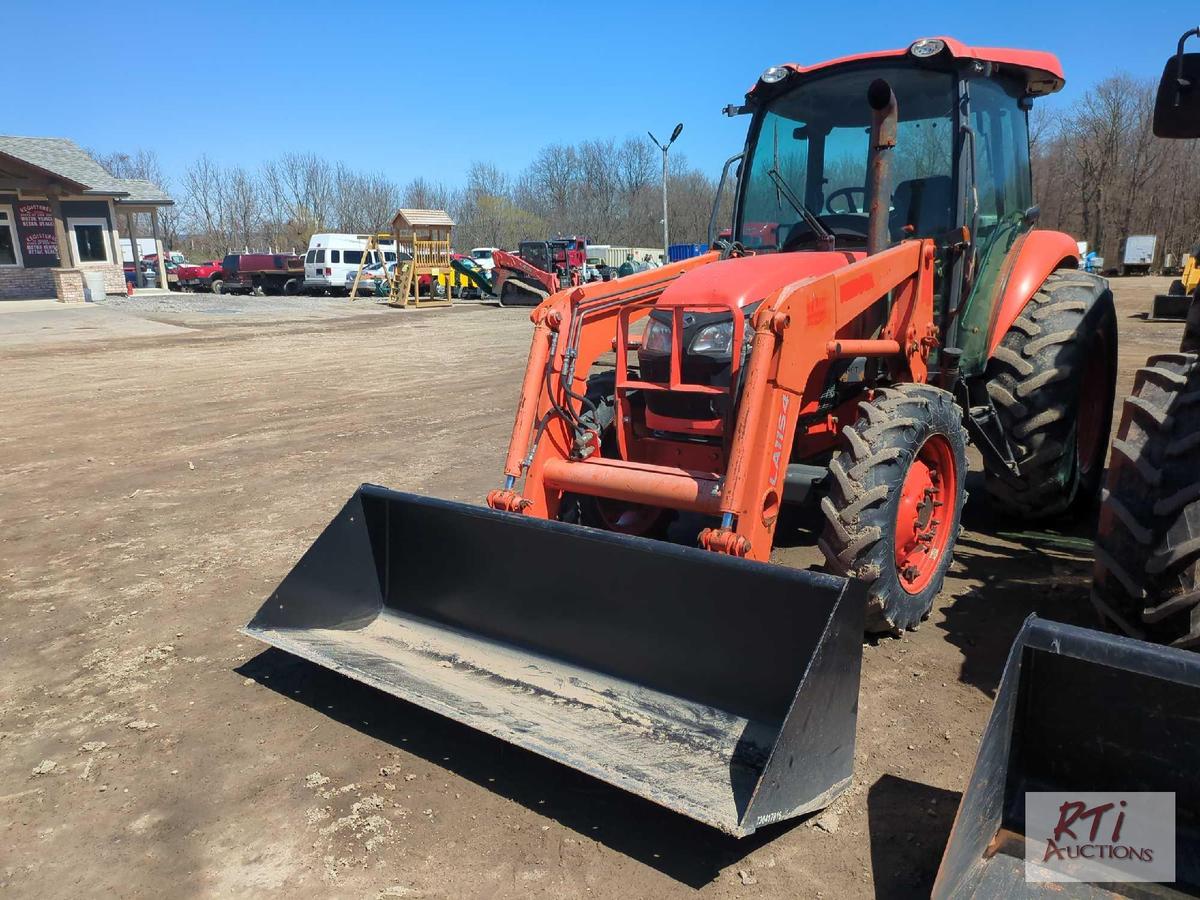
[1137, 254]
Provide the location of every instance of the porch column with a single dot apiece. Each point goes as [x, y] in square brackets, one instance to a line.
[158, 246]
[138, 280]
[66, 258]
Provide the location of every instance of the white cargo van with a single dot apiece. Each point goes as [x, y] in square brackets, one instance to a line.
[331, 257]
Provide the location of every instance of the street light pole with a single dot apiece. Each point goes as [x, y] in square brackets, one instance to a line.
[664, 148]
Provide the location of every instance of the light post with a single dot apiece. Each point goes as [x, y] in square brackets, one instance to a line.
[664, 148]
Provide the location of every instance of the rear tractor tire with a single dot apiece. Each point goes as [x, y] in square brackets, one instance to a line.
[1147, 574]
[1052, 381]
[895, 502]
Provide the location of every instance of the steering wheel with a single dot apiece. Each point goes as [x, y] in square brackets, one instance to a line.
[848, 193]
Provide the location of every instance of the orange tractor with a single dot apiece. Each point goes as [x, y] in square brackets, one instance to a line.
[886, 289]
[884, 298]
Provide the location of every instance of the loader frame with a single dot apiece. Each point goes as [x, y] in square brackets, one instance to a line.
[779, 399]
[798, 332]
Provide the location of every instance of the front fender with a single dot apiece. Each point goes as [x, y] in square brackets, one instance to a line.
[1036, 255]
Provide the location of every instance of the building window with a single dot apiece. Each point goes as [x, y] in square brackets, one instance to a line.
[10, 250]
[89, 240]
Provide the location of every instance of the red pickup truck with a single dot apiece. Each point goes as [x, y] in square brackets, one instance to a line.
[205, 276]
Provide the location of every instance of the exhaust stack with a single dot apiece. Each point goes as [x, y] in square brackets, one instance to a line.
[884, 119]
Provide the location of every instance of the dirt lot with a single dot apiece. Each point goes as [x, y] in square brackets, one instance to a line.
[153, 490]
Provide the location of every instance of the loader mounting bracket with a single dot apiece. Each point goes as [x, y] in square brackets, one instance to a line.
[983, 425]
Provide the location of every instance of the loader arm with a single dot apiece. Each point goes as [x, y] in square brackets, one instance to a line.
[799, 330]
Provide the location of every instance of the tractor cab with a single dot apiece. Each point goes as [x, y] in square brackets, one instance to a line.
[959, 167]
[805, 182]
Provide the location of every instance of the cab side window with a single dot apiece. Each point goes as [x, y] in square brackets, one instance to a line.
[1001, 154]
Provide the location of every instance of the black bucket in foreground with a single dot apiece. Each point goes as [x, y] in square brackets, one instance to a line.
[1170, 307]
[723, 689]
[1078, 710]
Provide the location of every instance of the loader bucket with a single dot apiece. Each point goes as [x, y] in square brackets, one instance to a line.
[1171, 307]
[1078, 710]
[723, 689]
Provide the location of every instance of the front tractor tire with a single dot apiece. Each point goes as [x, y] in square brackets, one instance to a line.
[1147, 573]
[895, 502]
[1052, 381]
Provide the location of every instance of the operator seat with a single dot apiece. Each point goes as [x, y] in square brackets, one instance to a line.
[927, 204]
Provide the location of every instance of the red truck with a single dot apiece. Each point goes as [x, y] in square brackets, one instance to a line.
[245, 273]
[262, 273]
[204, 276]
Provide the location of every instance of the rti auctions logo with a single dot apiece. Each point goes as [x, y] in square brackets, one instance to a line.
[1100, 836]
[1076, 814]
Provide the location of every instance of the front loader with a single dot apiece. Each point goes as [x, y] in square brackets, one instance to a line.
[884, 297]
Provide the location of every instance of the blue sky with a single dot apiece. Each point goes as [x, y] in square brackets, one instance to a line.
[423, 89]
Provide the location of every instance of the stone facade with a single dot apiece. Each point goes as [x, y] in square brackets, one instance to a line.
[45, 283]
[114, 279]
[68, 285]
[19, 284]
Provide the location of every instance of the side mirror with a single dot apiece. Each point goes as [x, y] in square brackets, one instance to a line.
[1177, 105]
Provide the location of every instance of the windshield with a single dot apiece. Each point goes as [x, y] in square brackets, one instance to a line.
[810, 156]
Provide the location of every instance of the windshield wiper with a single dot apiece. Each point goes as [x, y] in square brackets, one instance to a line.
[823, 234]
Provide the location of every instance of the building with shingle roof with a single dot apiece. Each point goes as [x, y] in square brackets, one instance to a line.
[60, 219]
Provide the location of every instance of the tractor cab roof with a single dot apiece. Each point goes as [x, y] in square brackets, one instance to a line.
[1041, 70]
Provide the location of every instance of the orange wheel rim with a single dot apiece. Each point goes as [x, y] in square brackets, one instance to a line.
[924, 514]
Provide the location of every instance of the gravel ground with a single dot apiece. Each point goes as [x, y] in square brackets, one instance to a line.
[155, 489]
[183, 306]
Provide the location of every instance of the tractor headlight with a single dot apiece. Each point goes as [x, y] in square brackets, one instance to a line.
[716, 338]
[927, 47]
[774, 74]
[657, 338]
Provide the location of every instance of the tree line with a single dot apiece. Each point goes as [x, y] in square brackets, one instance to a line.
[608, 191]
[1099, 174]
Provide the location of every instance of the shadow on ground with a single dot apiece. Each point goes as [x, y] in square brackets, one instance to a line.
[1022, 569]
[909, 823]
[684, 850]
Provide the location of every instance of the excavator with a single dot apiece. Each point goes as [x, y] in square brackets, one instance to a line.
[884, 297]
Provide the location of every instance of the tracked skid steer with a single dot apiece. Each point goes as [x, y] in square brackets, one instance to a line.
[872, 311]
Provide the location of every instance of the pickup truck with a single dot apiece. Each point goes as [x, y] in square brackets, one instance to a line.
[263, 273]
[204, 276]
